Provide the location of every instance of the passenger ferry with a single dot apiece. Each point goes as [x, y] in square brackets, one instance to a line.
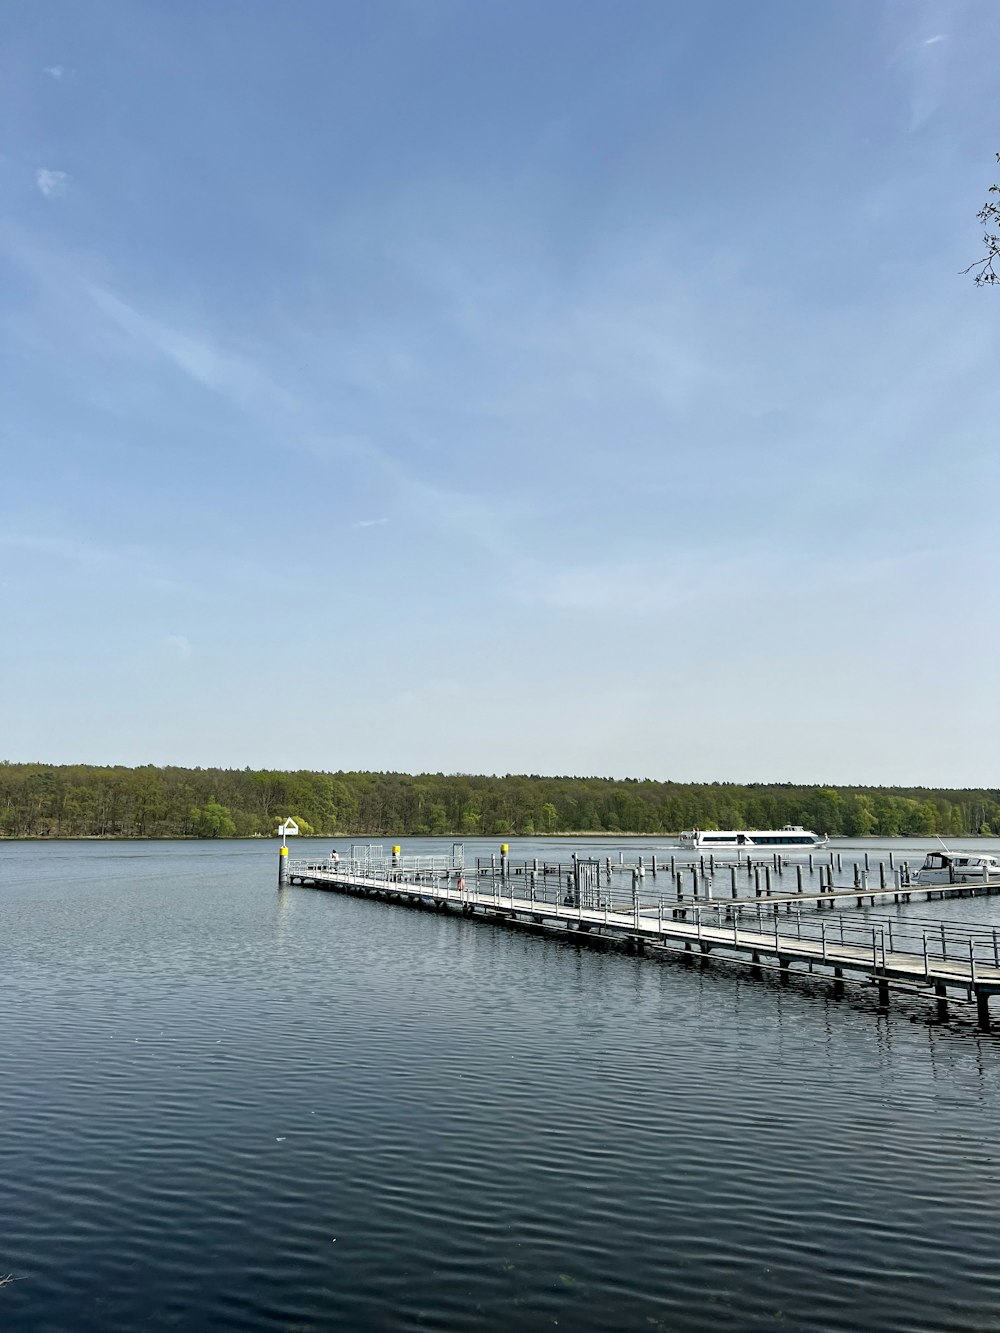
[789, 837]
[957, 868]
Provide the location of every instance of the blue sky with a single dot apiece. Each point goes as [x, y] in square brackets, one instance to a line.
[538, 387]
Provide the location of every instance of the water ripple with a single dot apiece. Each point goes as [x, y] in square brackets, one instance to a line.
[226, 1107]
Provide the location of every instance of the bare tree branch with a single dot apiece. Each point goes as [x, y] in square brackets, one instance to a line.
[986, 273]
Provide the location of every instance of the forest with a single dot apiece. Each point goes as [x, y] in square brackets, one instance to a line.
[89, 801]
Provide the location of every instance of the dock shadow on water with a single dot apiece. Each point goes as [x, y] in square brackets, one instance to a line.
[229, 1107]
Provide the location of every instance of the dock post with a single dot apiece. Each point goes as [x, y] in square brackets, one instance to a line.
[983, 1008]
[680, 886]
[941, 991]
[694, 880]
[756, 881]
[892, 864]
[654, 865]
[282, 867]
[767, 880]
[798, 879]
[673, 865]
[881, 874]
[840, 863]
[810, 863]
[732, 883]
[857, 875]
[883, 992]
[867, 866]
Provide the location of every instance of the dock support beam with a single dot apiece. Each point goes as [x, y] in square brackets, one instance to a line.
[983, 1009]
[282, 867]
[941, 991]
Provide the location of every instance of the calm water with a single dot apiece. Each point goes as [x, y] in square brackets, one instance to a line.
[225, 1107]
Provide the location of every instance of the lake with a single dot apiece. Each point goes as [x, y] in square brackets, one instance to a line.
[229, 1107]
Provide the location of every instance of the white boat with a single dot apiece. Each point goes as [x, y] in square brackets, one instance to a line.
[788, 838]
[957, 868]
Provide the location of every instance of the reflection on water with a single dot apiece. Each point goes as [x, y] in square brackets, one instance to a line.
[229, 1107]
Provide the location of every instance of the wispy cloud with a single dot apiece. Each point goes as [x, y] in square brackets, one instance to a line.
[179, 645]
[55, 71]
[67, 550]
[53, 184]
[938, 37]
[370, 522]
[227, 373]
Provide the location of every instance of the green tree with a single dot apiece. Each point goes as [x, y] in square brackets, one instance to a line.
[212, 821]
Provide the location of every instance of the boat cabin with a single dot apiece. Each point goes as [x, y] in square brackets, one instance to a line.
[957, 867]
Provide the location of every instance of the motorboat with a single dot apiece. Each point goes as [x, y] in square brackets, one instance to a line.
[787, 838]
[946, 867]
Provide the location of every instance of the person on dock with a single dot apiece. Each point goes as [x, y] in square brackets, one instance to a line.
[334, 857]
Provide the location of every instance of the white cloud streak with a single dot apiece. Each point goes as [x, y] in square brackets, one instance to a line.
[53, 184]
[179, 645]
[226, 373]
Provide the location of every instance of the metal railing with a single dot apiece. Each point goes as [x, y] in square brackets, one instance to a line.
[572, 890]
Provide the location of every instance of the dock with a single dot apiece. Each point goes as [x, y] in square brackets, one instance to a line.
[785, 931]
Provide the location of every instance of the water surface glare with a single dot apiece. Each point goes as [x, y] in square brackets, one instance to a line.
[228, 1107]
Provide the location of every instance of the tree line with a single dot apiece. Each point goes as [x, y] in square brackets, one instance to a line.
[87, 801]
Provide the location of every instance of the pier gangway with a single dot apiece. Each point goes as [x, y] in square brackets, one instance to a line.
[930, 957]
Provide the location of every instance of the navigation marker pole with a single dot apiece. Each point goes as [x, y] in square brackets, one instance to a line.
[287, 829]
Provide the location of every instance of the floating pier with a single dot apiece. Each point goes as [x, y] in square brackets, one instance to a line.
[782, 930]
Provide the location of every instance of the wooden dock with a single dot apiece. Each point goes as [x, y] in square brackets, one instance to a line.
[936, 959]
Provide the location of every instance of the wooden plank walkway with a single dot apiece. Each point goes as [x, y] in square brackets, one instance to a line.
[933, 956]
